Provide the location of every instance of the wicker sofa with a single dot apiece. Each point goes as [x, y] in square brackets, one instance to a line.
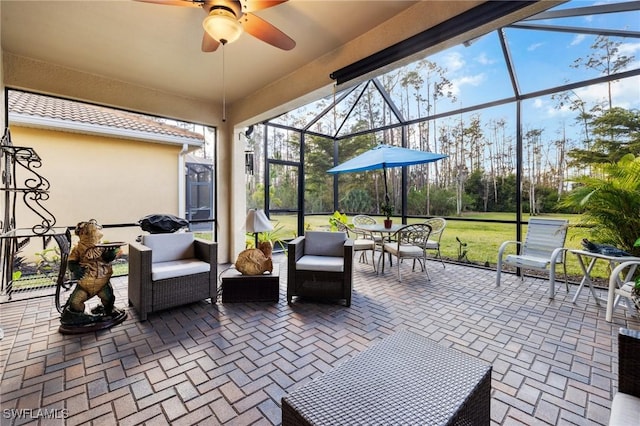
[625, 408]
[320, 266]
[168, 270]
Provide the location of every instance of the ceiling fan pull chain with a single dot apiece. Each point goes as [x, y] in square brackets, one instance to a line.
[224, 86]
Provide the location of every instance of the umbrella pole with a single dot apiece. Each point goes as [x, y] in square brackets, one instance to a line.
[386, 189]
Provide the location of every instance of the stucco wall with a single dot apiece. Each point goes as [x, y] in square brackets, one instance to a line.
[112, 180]
[27, 74]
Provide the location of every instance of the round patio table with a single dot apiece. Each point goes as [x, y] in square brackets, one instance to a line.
[385, 235]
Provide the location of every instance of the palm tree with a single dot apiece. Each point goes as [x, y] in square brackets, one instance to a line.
[611, 204]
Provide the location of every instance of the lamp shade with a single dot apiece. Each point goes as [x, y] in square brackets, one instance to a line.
[257, 221]
[222, 26]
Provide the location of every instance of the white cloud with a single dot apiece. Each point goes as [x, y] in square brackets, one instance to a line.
[472, 80]
[552, 110]
[484, 59]
[453, 61]
[548, 109]
[624, 93]
[629, 49]
[579, 38]
[468, 80]
[534, 46]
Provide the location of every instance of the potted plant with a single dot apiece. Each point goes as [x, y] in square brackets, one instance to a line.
[277, 238]
[387, 210]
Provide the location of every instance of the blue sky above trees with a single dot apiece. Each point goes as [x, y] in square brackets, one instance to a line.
[478, 73]
[542, 59]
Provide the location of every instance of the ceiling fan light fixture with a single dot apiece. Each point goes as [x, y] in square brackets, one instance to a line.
[222, 25]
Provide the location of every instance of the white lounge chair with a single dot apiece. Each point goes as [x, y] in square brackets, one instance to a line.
[620, 284]
[542, 249]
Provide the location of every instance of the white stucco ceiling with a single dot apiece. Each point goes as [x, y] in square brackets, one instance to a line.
[137, 53]
[158, 46]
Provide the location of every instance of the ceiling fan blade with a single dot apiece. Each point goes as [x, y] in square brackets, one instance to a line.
[209, 44]
[183, 3]
[266, 32]
[253, 5]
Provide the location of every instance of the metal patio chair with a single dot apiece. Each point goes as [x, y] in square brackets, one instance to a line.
[363, 219]
[362, 242]
[409, 242]
[542, 249]
[438, 224]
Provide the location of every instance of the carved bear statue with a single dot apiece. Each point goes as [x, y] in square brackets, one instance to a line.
[90, 265]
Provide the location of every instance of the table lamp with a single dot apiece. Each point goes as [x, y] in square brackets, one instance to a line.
[257, 222]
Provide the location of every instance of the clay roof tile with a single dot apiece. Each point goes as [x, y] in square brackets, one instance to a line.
[78, 112]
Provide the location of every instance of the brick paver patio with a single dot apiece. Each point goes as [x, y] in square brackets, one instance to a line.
[553, 362]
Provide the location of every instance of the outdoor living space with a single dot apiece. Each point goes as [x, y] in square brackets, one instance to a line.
[553, 362]
[516, 119]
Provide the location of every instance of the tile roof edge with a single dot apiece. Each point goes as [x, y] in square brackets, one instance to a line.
[77, 116]
[27, 120]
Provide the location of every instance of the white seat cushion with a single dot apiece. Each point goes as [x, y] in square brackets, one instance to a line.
[527, 261]
[362, 244]
[178, 268]
[310, 262]
[431, 245]
[405, 250]
[625, 410]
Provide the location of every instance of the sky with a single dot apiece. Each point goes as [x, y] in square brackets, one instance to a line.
[542, 59]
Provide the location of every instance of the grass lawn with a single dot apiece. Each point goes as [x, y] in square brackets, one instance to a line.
[482, 238]
[482, 241]
[32, 282]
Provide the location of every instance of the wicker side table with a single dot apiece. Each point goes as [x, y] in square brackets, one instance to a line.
[251, 288]
[405, 379]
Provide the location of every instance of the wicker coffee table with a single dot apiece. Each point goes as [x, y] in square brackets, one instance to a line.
[404, 379]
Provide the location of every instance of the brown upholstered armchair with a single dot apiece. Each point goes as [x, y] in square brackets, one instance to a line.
[169, 270]
[320, 266]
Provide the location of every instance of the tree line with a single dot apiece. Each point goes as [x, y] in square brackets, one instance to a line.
[480, 171]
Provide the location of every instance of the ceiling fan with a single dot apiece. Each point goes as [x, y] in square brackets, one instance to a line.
[227, 19]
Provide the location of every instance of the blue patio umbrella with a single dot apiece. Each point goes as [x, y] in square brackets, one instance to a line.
[383, 156]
